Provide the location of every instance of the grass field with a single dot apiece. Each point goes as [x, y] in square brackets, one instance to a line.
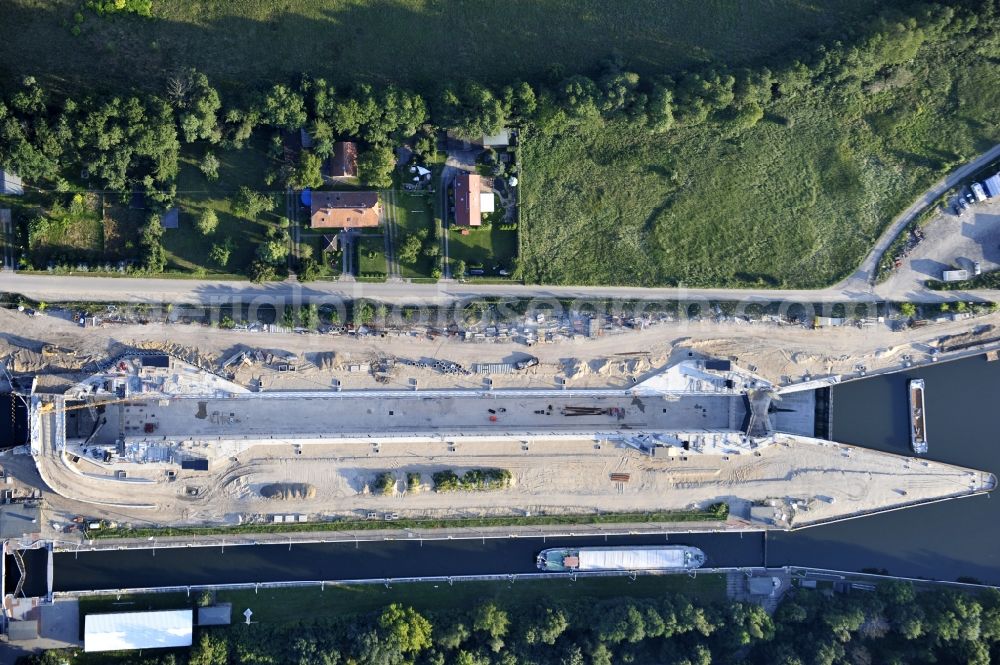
[187, 249]
[333, 601]
[410, 42]
[796, 201]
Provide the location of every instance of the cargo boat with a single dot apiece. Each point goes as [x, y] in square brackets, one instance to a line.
[918, 417]
[656, 557]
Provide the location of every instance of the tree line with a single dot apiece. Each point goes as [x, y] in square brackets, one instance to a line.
[895, 624]
[133, 142]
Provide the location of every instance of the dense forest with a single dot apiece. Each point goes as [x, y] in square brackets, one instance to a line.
[893, 625]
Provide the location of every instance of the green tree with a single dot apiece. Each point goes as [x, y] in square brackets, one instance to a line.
[660, 108]
[262, 271]
[492, 620]
[309, 172]
[908, 309]
[452, 635]
[308, 270]
[282, 107]
[207, 222]
[154, 258]
[221, 252]
[212, 649]
[580, 97]
[121, 140]
[248, 203]
[364, 313]
[472, 110]
[237, 127]
[198, 104]
[274, 249]
[375, 167]
[547, 626]
[210, 166]
[323, 138]
[407, 628]
[410, 249]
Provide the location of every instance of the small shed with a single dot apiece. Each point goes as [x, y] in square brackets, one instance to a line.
[331, 243]
[10, 183]
[216, 615]
[486, 202]
[171, 219]
[499, 140]
[137, 630]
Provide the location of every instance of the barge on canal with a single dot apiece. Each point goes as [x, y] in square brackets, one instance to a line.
[918, 417]
[583, 559]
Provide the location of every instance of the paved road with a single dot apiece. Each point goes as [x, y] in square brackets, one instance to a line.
[868, 268]
[857, 288]
[59, 288]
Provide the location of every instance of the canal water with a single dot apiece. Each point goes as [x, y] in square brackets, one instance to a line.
[947, 541]
[116, 569]
[942, 541]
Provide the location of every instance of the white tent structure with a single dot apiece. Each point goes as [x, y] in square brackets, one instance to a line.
[486, 202]
[138, 630]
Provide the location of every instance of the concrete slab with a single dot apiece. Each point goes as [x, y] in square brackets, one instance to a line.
[58, 628]
[340, 414]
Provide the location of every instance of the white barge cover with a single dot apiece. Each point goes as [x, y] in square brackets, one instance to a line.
[137, 630]
[636, 558]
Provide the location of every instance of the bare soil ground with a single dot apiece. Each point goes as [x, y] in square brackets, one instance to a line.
[777, 351]
[557, 477]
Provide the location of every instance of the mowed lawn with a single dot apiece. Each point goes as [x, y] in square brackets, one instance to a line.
[411, 42]
[795, 202]
[371, 261]
[414, 212]
[484, 247]
[187, 249]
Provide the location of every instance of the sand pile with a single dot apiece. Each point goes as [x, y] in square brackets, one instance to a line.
[286, 491]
